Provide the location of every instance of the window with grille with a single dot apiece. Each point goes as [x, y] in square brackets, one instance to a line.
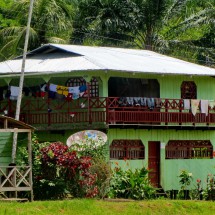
[127, 149]
[188, 90]
[79, 81]
[188, 149]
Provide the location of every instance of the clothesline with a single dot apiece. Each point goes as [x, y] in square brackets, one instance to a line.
[68, 93]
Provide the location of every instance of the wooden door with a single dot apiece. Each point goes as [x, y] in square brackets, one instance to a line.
[154, 162]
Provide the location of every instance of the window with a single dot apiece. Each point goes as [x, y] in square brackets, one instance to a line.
[79, 81]
[127, 149]
[188, 90]
[188, 149]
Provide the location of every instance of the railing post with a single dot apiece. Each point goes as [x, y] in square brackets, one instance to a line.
[166, 112]
[49, 112]
[107, 109]
[89, 107]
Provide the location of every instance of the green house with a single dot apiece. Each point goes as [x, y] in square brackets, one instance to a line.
[157, 111]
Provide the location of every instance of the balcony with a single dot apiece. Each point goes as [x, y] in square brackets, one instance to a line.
[106, 112]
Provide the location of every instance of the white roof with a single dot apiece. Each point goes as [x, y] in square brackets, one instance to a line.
[55, 58]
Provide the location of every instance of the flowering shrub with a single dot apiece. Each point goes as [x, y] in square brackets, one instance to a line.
[58, 171]
[90, 147]
[75, 171]
[209, 192]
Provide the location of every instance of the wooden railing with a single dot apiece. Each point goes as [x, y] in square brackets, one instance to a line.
[14, 179]
[108, 110]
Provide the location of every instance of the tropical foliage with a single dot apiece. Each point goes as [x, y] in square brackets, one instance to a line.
[131, 184]
[181, 28]
[51, 22]
[60, 172]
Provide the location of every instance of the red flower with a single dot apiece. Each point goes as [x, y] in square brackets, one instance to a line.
[198, 180]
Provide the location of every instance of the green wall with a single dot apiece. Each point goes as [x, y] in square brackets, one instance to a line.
[170, 169]
[6, 142]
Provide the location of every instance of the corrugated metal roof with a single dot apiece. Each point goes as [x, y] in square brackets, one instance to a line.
[55, 58]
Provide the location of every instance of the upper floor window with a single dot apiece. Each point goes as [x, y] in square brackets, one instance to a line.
[127, 149]
[188, 90]
[188, 149]
[79, 81]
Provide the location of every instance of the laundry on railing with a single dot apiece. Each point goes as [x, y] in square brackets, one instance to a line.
[14, 92]
[195, 104]
[158, 102]
[69, 93]
[187, 104]
[151, 103]
[204, 107]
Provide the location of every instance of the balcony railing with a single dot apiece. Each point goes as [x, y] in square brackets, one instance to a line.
[110, 110]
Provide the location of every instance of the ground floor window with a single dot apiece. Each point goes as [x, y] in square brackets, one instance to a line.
[188, 149]
[127, 149]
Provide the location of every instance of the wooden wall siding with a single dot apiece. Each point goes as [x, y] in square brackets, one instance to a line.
[6, 140]
[170, 168]
[39, 111]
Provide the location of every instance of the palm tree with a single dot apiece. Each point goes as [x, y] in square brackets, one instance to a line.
[166, 26]
[51, 22]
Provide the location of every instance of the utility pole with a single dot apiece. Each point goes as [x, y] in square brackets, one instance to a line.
[21, 81]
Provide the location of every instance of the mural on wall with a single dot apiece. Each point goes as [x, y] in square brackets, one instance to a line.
[83, 137]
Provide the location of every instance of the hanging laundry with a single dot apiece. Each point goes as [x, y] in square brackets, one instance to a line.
[194, 106]
[130, 101]
[51, 94]
[53, 87]
[136, 101]
[62, 90]
[82, 94]
[43, 88]
[212, 104]
[204, 107]
[83, 88]
[75, 96]
[75, 92]
[158, 102]
[14, 92]
[150, 103]
[143, 101]
[186, 104]
[122, 101]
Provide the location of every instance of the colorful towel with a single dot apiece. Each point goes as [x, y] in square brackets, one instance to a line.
[194, 106]
[204, 107]
[53, 87]
[62, 90]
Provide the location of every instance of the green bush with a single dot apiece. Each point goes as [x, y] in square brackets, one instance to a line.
[131, 185]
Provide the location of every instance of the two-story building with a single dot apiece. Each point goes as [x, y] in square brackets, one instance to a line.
[157, 111]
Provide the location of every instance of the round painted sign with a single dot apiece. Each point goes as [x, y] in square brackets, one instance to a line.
[82, 136]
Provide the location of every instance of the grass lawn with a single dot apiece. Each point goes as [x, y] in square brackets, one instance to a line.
[100, 207]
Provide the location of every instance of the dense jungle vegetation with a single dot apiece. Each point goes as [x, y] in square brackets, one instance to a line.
[179, 28]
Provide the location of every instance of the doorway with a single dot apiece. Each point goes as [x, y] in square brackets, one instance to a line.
[154, 162]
